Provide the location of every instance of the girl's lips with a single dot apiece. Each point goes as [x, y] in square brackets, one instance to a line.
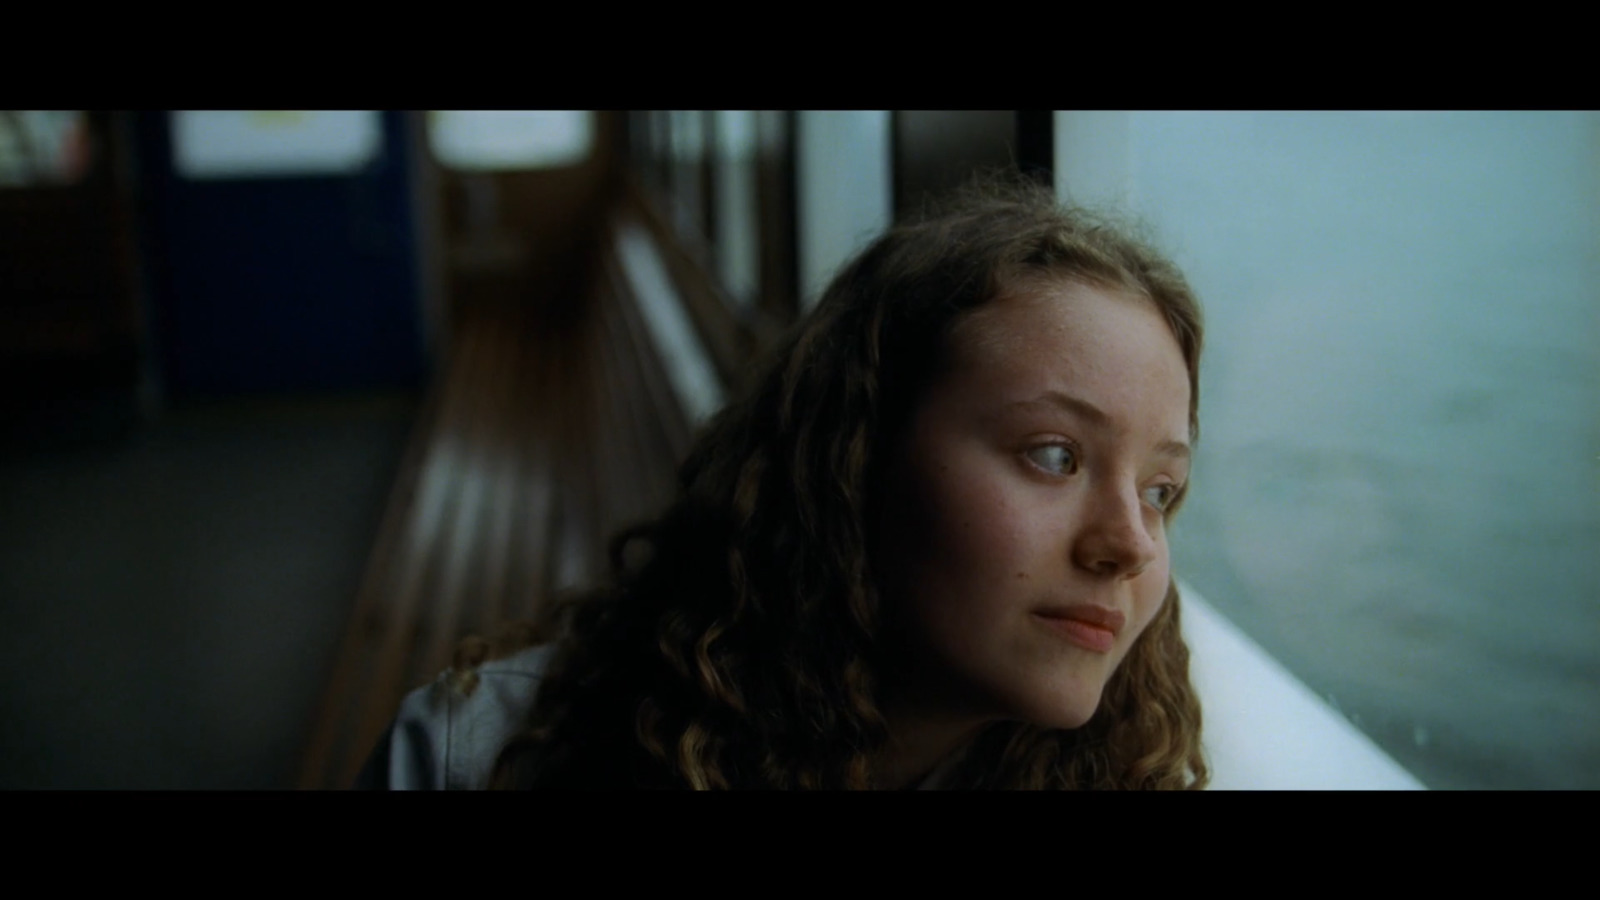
[1091, 627]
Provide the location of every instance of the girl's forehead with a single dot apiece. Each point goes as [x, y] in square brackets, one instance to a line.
[1112, 343]
[1066, 315]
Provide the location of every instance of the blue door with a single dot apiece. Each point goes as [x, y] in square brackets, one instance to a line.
[280, 277]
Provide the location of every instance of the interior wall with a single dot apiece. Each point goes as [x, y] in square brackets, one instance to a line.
[521, 235]
[936, 151]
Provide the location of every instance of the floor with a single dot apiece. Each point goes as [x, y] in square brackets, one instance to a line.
[170, 599]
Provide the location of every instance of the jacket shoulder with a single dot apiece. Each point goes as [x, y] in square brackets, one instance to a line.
[446, 736]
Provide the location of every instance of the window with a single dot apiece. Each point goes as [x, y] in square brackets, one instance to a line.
[510, 139]
[1395, 489]
[843, 185]
[40, 147]
[737, 219]
[210, 144]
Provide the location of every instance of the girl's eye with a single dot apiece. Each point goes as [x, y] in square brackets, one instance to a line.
[1161, 496]
[1057, 459]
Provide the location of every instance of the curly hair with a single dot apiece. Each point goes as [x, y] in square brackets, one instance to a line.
[738, 644]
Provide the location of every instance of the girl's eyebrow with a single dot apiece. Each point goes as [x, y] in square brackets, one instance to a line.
[1176, 449]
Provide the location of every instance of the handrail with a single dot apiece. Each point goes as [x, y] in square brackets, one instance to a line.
[734, 337]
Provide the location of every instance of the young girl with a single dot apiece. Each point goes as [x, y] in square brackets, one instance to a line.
[928, 549]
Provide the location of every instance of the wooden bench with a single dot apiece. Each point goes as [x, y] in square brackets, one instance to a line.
[539, 441]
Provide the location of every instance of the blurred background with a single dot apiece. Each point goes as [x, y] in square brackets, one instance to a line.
[295, 399]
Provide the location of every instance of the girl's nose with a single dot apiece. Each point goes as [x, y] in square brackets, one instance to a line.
[1113, 540]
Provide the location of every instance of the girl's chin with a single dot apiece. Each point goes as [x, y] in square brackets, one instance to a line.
[1063, 713]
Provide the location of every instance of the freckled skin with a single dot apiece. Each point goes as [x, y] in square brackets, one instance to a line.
[968, 504]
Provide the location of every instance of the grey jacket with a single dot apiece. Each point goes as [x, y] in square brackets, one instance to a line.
[444, 739]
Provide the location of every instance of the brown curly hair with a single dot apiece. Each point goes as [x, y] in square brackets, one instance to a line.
[739, 643]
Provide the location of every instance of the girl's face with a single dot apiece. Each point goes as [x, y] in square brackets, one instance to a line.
[1022, 547]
